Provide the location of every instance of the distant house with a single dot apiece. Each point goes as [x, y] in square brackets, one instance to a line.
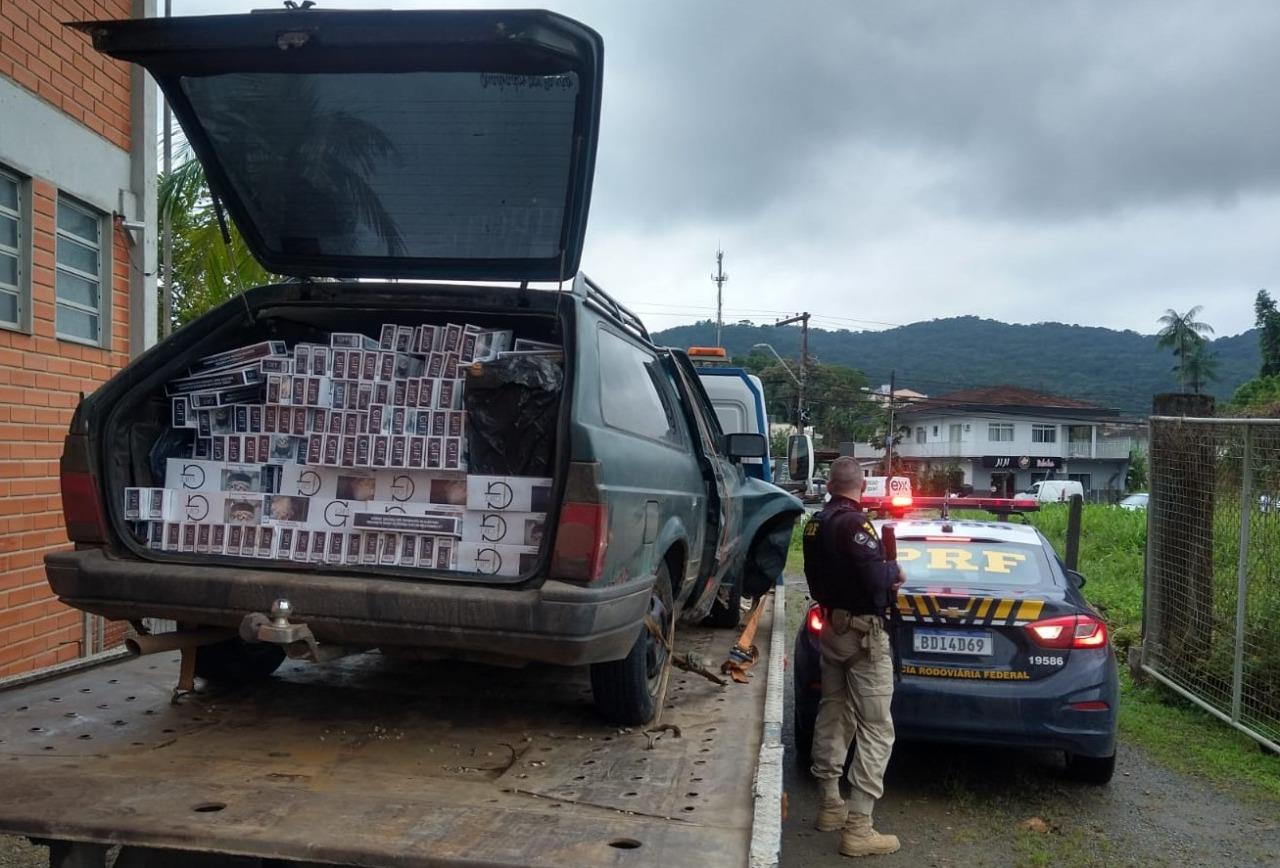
[1005, 438]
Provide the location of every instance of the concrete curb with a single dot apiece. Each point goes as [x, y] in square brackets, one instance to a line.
[766, 826]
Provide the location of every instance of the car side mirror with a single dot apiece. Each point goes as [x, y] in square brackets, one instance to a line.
[800, 457]
[745, 444]
[1076, 578]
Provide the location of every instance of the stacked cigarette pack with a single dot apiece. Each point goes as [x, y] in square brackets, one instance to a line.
[342, 453]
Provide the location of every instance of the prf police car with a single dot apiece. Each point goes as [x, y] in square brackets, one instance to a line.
[995, 645]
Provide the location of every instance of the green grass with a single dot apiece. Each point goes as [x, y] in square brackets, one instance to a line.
[1169, 728]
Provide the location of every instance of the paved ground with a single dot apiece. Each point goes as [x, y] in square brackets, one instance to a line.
[962, 807]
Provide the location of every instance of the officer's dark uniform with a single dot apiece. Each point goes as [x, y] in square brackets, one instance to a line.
[851, 581]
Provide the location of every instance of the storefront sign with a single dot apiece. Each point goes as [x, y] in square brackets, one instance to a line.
[1023, 462]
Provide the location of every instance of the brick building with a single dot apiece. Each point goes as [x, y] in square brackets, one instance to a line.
[77, 291]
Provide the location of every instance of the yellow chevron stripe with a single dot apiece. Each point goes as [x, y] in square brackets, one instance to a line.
[984, 606]
[1030, 610]
[922, 607]
[1002, 610]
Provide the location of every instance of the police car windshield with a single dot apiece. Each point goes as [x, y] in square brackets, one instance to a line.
[978, 564]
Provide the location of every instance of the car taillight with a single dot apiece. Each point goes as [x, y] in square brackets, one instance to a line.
[1069, 631]
[582, 536]
[81, 498]
[815, 620]
[1090, 705]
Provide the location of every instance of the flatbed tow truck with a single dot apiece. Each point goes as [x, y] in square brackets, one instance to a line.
[372, 761]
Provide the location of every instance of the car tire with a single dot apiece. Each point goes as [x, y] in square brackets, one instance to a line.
[726, 611]
[1096, 770]
[630, 691]
[803, 731]
[234, 661]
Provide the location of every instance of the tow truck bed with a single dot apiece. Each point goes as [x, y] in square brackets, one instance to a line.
[377, 762]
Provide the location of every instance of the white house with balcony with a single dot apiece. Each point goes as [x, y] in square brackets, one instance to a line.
[1004, 438]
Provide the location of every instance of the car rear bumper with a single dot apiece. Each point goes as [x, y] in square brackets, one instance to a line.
[1012, 715]
[555, 623]
[1033, 714]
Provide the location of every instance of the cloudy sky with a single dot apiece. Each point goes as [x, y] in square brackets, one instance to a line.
[885, 162]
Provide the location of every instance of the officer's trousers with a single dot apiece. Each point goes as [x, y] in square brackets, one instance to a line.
[857, 689]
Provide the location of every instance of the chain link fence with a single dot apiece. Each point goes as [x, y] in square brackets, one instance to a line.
[1211, 615]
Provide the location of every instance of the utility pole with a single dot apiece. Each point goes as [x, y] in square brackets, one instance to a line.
[803, 319]
[888, 436]
[720, 279]
[166, 225]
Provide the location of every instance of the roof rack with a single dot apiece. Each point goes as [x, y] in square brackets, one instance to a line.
[591, 293]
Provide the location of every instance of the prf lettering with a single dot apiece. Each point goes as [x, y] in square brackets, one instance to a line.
[941, 558]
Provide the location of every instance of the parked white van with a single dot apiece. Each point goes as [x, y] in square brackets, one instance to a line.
[1054, 490]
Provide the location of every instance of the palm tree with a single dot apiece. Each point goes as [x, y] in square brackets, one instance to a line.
[1200, 367]
[206, 270]
[1185, 335]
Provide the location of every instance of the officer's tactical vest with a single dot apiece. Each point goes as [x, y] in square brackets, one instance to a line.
[860, 588]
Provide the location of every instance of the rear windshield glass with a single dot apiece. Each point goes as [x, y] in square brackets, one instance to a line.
[461, 165]
[980, 564]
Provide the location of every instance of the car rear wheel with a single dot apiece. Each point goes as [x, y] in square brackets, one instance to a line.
[1095, 770]
[630, 691]
[234, 661]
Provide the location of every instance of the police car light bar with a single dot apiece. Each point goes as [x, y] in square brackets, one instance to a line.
[989, 504]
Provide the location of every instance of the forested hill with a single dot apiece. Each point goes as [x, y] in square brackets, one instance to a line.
[1114, 368]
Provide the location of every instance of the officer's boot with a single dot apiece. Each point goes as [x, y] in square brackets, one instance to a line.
[859, 839]
[832, 810]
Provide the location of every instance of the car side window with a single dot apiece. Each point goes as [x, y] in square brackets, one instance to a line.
[630, 396]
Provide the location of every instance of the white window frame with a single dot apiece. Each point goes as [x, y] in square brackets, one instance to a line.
[920, 434]
[103, 277]
[1039, 430]
[23, 251]
[996, 429]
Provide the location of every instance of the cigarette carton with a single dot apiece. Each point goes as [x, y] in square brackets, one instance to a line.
[453, 453]
[276, 365]
[352, 341]
[240, 356]
[285, 511]
[496, 560]
[389, 550]
[369, 547]
[436, 523]
[504, 528]
[508, 493]
[182, 415]
[387, 337]
[266, 542]
[220, 382]
[203, 536]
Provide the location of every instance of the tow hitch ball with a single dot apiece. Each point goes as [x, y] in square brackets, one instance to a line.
[296, 639]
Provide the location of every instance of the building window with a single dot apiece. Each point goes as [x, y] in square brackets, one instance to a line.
[79, 273]
[956, 433]
[12, 238]
[1044, 433]
[919, 435]
[1000, 432]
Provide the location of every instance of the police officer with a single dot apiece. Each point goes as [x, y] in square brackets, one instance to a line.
[850, 579]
